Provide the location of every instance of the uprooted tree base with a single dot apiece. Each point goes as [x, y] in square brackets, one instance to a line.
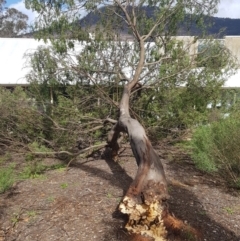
[146, 199]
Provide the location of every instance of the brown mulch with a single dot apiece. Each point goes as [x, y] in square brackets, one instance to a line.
[81, 203]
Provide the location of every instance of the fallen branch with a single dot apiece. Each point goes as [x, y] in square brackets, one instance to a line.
[110, 120]
[70, 154]
[93, 129]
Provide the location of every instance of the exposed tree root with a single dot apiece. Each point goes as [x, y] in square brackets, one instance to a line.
[180, 229]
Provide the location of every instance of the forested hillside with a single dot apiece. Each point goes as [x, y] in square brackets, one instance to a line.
[226, 26]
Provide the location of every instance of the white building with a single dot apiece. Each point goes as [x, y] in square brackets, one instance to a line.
[13, 64]
[12, 61]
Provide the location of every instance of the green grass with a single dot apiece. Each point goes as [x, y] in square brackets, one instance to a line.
[109, 195]
[34, 169]
[61, 167]
[228, 210]
[64, 185]
[31, 214]
[6, 178]
[15, 219]
[5, 158]
[50, 199]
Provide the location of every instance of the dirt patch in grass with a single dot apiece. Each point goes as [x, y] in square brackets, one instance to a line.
[81, 203]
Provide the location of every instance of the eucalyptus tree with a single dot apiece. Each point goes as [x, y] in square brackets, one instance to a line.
[12, 21]
[133, 46]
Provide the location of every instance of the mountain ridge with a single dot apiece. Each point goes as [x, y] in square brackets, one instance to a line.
[220, 26]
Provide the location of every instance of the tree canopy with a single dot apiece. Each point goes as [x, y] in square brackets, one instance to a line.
[127, 42]
[12, 21]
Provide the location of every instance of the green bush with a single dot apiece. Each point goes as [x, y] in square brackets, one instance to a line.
[202, 146]
[215, 148]
[20, 121]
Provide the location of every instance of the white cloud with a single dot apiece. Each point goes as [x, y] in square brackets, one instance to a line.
[229, 9]
[20, 6]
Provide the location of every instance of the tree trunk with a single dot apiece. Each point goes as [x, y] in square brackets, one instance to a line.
[145, 200]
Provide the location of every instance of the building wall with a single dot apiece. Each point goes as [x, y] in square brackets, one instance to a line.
[14, 67]
[189, 43]
[233, 44]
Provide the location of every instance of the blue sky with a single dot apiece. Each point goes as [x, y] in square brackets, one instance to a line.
[11, 2]
[226, 9]
[19, 5]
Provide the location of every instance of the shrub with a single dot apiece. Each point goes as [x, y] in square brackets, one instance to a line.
[20, 121]
[202, 146]
[216, 148]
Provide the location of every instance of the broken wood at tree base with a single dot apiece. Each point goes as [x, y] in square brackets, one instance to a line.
[153, 222]
[144, 219]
